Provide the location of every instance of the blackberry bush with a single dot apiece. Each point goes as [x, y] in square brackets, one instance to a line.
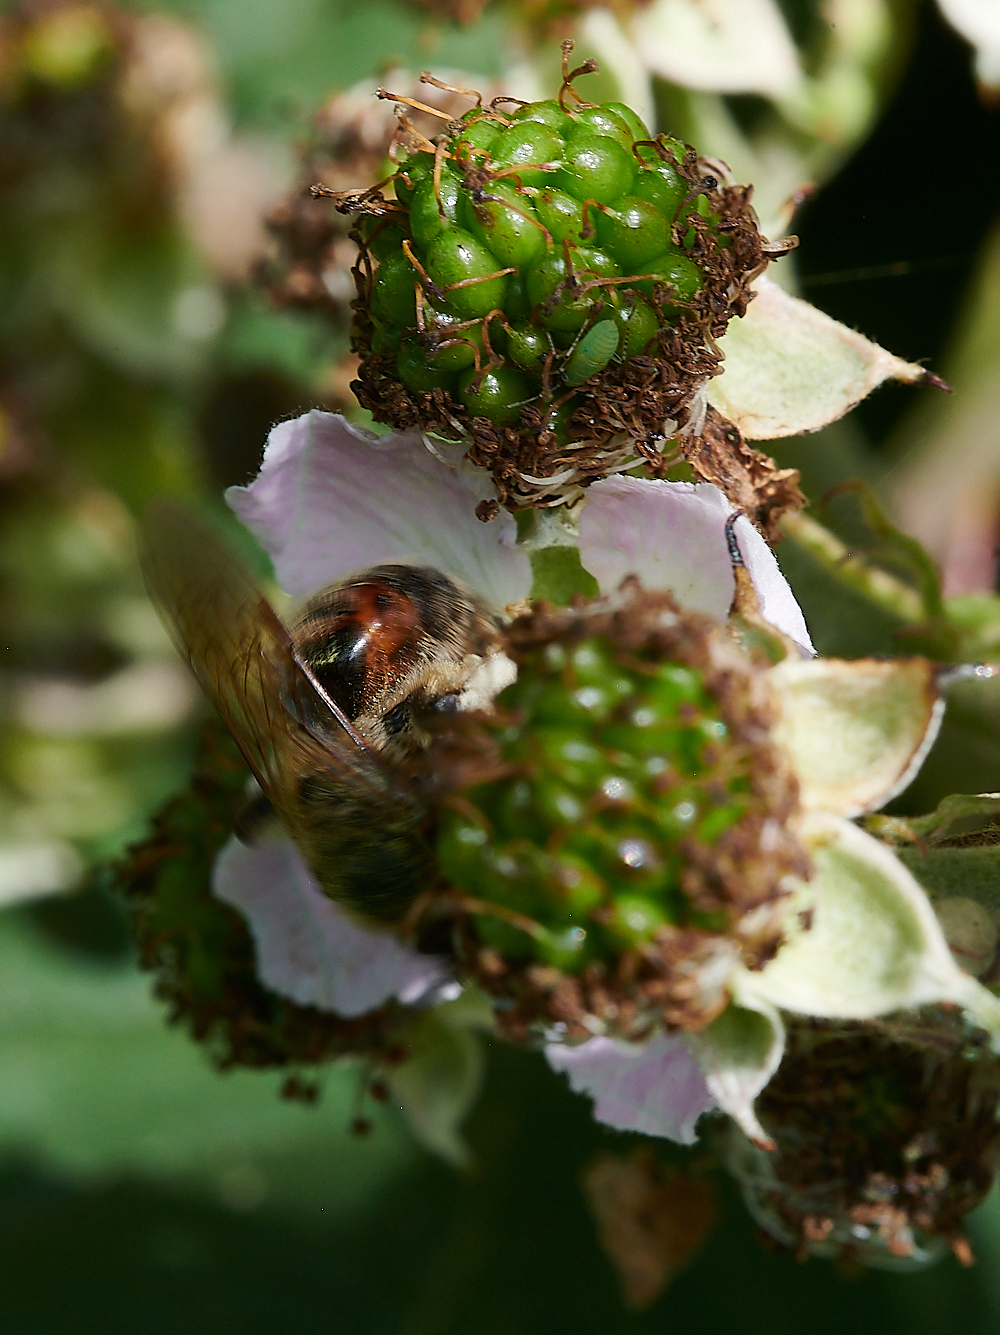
[545, 282]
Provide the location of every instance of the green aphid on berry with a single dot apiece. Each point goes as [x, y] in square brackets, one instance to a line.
[542, 275]
[593, 352]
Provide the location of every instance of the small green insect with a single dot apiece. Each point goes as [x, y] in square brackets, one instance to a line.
[592, 353]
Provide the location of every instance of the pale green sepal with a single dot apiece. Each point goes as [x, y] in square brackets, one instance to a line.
[738, 1053]
[863, 939]
[439, 1082]
[552, 540]
[857, 730]
[790, 369]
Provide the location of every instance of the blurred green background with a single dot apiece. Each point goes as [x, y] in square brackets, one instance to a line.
[138, 1189]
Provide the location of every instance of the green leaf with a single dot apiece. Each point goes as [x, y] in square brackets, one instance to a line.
[95, 1084]
[558, 575]
[976, 616]
[551, 538]
[790, 369]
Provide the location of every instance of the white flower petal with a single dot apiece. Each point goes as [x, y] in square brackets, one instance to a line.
[673, 536]
[331, 500]
[979, 23]
[858, 730]
[655, 1087]
[777, 602]
[872, 943]
[738, 1053]
[725, 46]
[790, 369]
[309, 949]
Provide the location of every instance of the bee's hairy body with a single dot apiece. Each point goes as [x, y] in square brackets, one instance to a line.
[396, 648]
[337, 713]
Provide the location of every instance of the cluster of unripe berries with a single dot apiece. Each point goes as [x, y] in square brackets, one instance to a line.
[525, 253]
[614, 772]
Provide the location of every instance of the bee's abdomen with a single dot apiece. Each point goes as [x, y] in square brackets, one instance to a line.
[372, 856]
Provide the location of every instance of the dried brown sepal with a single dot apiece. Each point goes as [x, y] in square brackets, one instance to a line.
[652, 1219]
[740, 878]
[752, 481]
[201, 951]
[887, 1137]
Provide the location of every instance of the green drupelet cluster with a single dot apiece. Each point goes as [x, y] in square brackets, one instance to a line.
[615, 773]
[549, 274]
[523, 259]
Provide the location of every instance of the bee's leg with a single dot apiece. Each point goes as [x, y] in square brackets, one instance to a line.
[254, 818]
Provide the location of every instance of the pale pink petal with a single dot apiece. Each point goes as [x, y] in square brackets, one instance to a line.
[308, 949]
[331, 500]
[979, 22]
[673, 536]
[656, 1087]
[777, 602]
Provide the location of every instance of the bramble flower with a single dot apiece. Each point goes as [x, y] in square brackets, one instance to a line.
[634, 796]
[838, 929]
[332, 499]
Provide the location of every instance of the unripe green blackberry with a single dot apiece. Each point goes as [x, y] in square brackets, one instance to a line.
[636, 838]
[886, 1137]
[521, 230]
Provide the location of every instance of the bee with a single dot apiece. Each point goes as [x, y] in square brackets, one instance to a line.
[337, 712]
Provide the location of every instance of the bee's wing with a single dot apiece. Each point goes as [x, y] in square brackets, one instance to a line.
[284, 723]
